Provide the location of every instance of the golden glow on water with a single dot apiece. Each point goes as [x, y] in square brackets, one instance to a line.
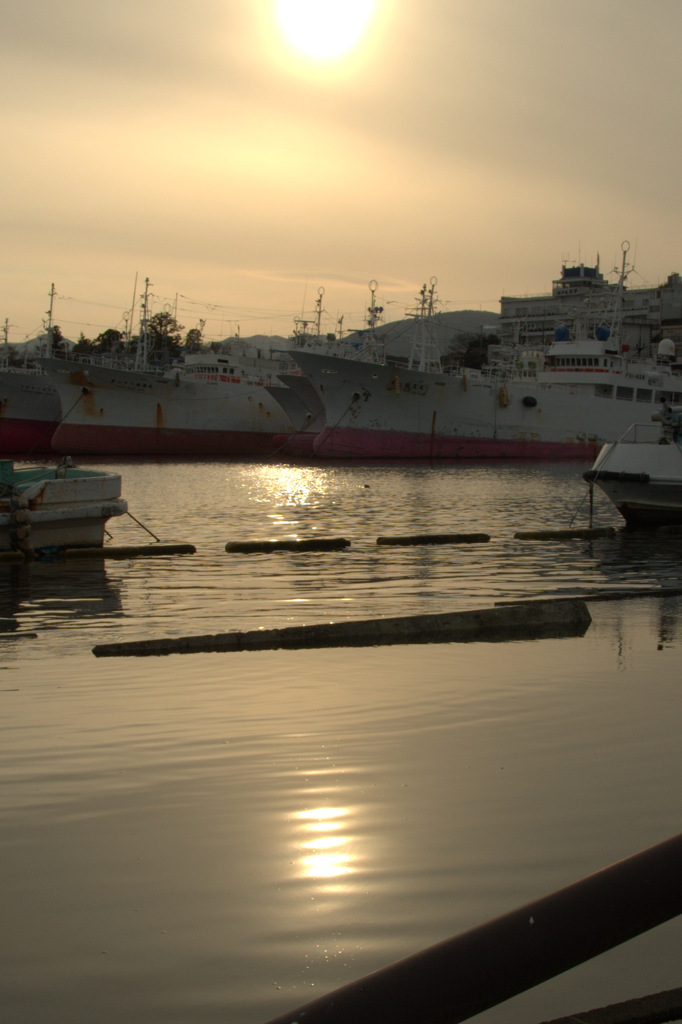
[325, 855]
[258, 827]
[298, 486]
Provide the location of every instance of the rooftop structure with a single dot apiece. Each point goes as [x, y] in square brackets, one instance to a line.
[583, 296]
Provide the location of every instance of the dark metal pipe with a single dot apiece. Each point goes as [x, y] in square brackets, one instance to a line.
[467, 974]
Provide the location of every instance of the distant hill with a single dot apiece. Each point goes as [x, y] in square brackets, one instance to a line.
[447, 329]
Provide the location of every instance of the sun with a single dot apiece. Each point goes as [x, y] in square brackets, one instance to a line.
[324, 29]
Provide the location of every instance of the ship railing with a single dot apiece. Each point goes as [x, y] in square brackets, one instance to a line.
[639, 433]
[481, 968]
[27, 368]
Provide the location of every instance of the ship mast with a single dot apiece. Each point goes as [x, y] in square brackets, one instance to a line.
[48, 325]
[141, 354]
[617, 311]
[374, 311]
[318, 307]
[374, 317]
[425, 354]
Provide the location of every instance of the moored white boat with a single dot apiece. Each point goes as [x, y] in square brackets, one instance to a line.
[641, 473]
[56, 507]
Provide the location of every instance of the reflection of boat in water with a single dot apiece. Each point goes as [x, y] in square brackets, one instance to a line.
[41, 594]
[642, 472]
[46, 507]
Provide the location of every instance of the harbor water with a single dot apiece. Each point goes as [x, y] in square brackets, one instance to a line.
[194, 839]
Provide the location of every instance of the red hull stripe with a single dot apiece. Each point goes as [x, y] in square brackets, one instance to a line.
[24, 437]
[347, 443]
[73, 439]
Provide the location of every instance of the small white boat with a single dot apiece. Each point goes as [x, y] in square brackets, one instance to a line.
[54, 507]
[642, 472]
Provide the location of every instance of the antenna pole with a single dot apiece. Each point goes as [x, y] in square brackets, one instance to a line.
[141, 355]
[320, 293]
[132, 309]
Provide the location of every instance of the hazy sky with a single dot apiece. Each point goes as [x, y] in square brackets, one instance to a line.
[478, 141]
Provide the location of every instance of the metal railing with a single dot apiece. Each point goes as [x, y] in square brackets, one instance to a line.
[474, 971]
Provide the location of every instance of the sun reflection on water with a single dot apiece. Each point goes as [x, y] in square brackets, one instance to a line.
[325, 848]
[288, 486]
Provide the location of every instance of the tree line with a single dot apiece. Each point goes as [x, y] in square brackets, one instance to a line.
[164, 338]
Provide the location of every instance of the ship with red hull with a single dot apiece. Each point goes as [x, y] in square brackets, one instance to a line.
[586, 395]
[108, 411]
[29, 412]
[560, 402]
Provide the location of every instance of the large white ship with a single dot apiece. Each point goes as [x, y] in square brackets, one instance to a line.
[587, 394]
[207, 412]
[29, 411]
[566, 401]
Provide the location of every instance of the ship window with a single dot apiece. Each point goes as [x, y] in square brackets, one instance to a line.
[626, 394]
[603, 390]
[644, 394]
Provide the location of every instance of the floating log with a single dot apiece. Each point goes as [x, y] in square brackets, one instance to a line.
[12, 556]
[586, 534]
[542, 619]
[309, 544]
[603, 595]
[130, 551]
[654, 1009]
[437, 538]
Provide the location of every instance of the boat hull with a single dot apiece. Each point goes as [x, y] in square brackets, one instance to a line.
[128, 413]
[349, 443]
[29, 411]
[57, 507]
[643, 480]
[76, 526]
[387, 412]
[96, 439]
[301, 404]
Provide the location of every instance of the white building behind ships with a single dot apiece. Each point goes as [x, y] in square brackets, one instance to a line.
[582, 295]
